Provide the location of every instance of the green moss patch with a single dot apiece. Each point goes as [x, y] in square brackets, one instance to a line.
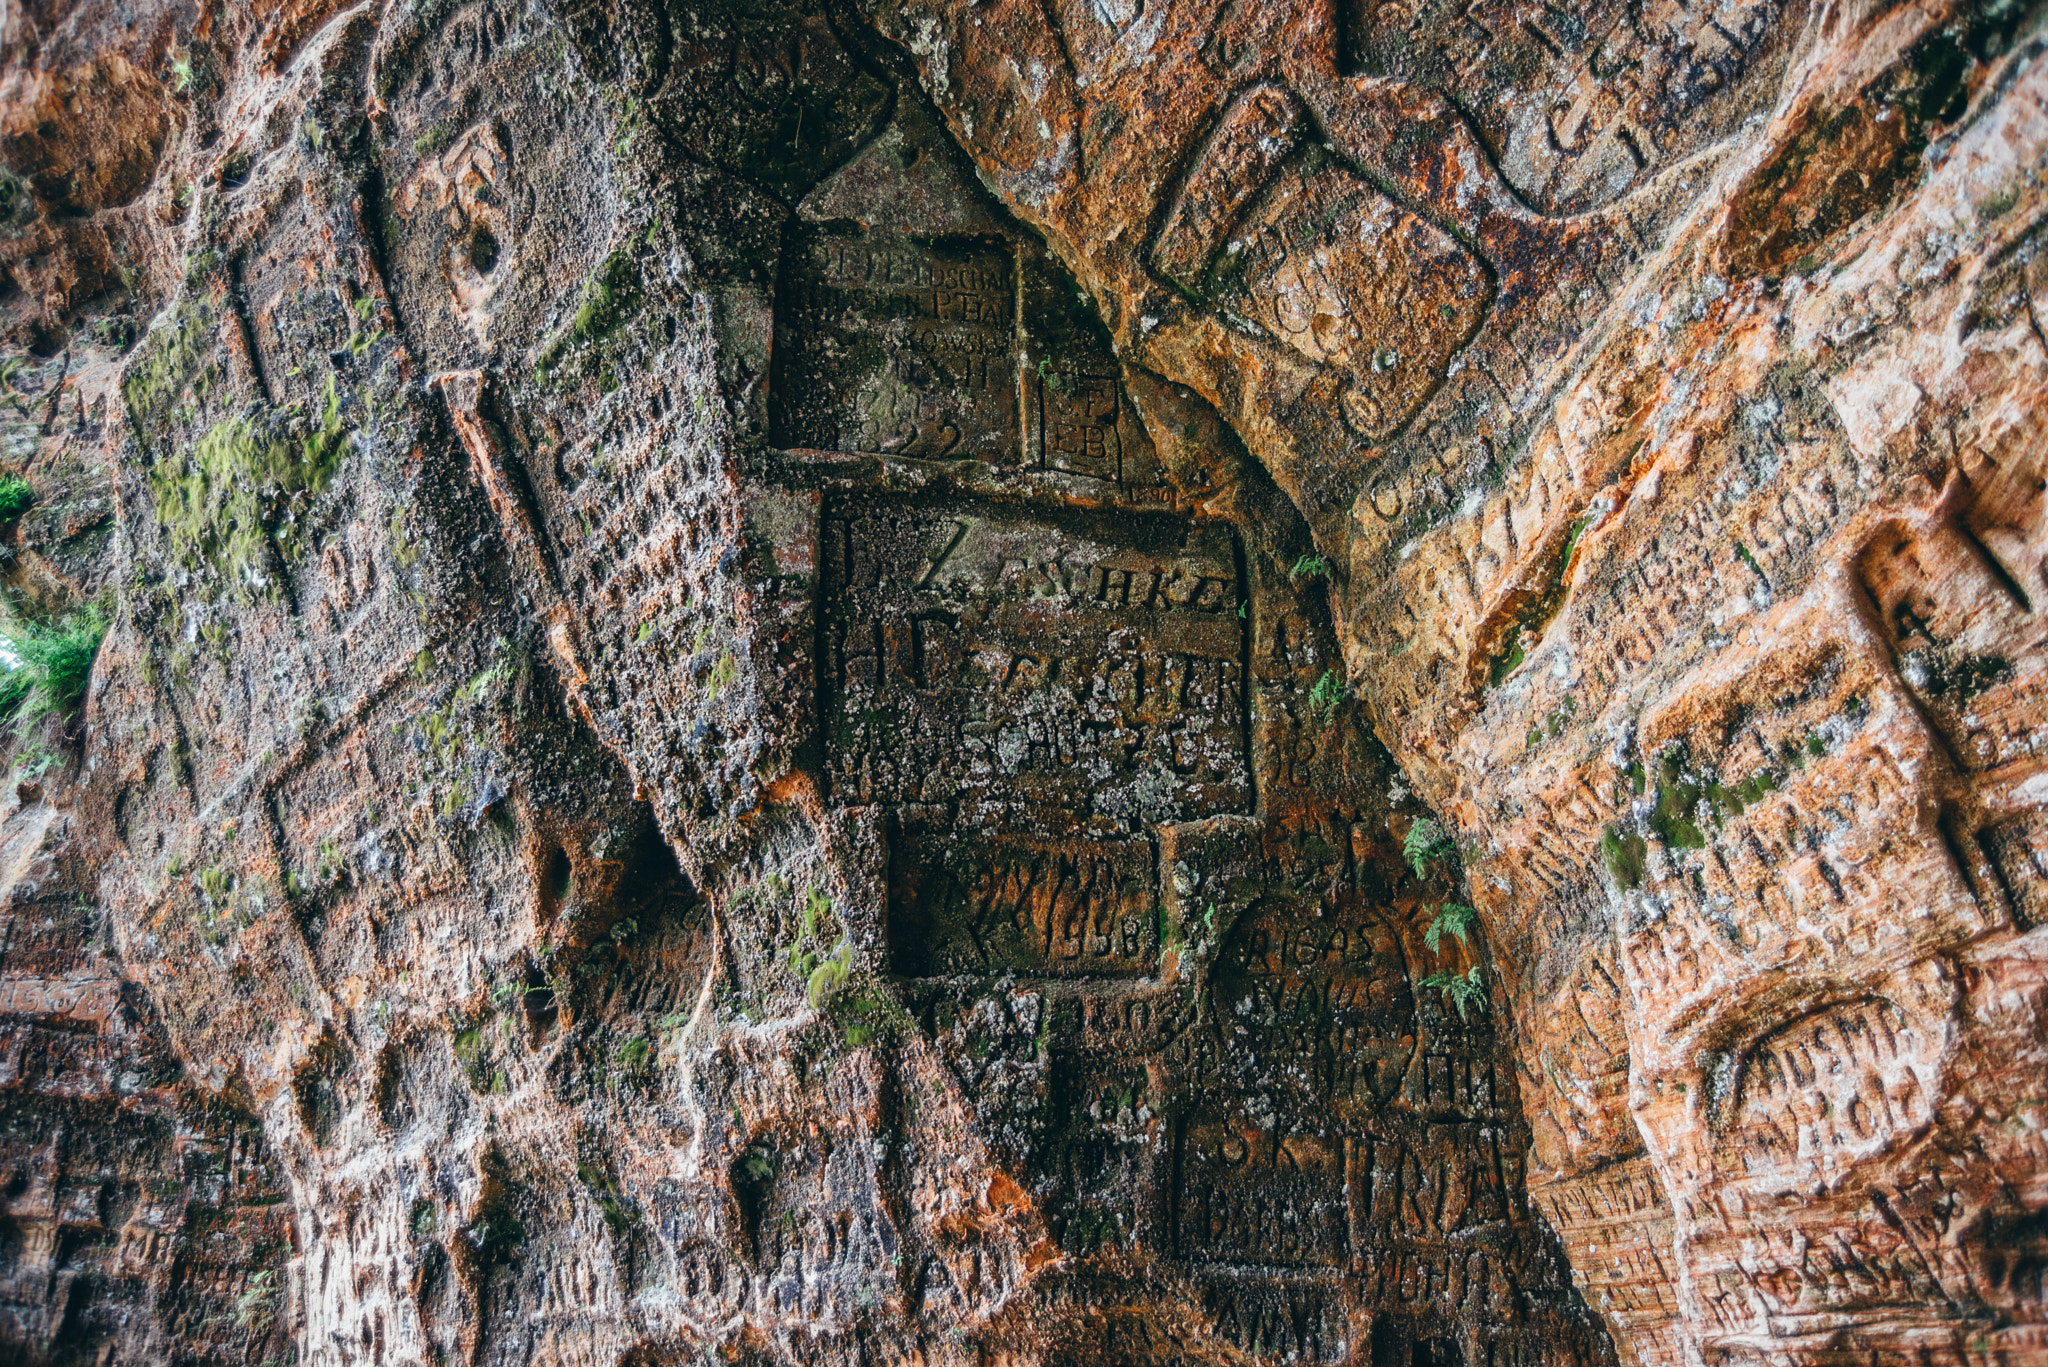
[1677, 804]
[216, 499]
[170, 355]
[611, 295]
[1689, 801]
[1623, 852]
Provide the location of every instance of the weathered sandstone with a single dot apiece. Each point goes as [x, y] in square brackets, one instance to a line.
[1028, 682]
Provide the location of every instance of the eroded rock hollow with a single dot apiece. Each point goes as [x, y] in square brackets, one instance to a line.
[1069, 682]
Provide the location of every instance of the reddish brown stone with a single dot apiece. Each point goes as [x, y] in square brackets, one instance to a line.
[1034, 681]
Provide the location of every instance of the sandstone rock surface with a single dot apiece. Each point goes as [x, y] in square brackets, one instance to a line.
[1071, 682]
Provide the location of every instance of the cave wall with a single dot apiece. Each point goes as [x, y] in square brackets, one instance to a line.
[1688, 566]
[1040, 681]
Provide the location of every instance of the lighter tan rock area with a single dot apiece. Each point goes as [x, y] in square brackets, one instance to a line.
[1024, 683]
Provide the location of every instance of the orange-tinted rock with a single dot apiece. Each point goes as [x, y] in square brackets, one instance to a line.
[1037, 681]
[1697, 594]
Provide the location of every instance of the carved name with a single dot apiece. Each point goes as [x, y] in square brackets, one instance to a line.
[1582, 102]
[1046, 676]
[1041, 907]
[899, 346]
[1256, 133]
[1327, 265]
[1837, 1086]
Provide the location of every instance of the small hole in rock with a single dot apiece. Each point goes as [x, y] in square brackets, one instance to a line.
[46, 338]
[556, 879]
[483, 251]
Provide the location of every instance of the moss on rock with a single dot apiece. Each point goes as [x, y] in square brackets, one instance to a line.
[215, 500]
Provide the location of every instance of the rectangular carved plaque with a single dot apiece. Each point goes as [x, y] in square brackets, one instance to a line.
[1053, 908]
[899, 345]
[1077, 425]
[1249, 1194]
[1029, 673]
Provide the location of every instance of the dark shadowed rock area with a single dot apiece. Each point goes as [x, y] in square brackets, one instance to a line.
[1024, 683]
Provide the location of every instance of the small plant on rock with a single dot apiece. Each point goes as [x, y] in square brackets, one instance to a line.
[1327, 695]
[256, 1306]
[1426, 843]
[757, 1165]
[1310, 566]
[48, 663]
[1462, 990]
[1450, 918]
[15, 495]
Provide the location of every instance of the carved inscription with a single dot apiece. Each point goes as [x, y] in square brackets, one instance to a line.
[1401, 1190]
[817, 1234]
[1283, 1321]
[1036, 676]
[763, 61]
[1331, 994]
[1638, 611]
[1319, 1009]
[1114, 1155]
[1077, 427]
[1837, 1086]
[1966, 640]
[1330, 267]
[1256, 133]
[2018, 852]
[1042, 907]
[1254, 1194]
[1582, 103]
[900, 346]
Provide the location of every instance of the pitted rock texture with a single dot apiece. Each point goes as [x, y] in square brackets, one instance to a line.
[1070, 682]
